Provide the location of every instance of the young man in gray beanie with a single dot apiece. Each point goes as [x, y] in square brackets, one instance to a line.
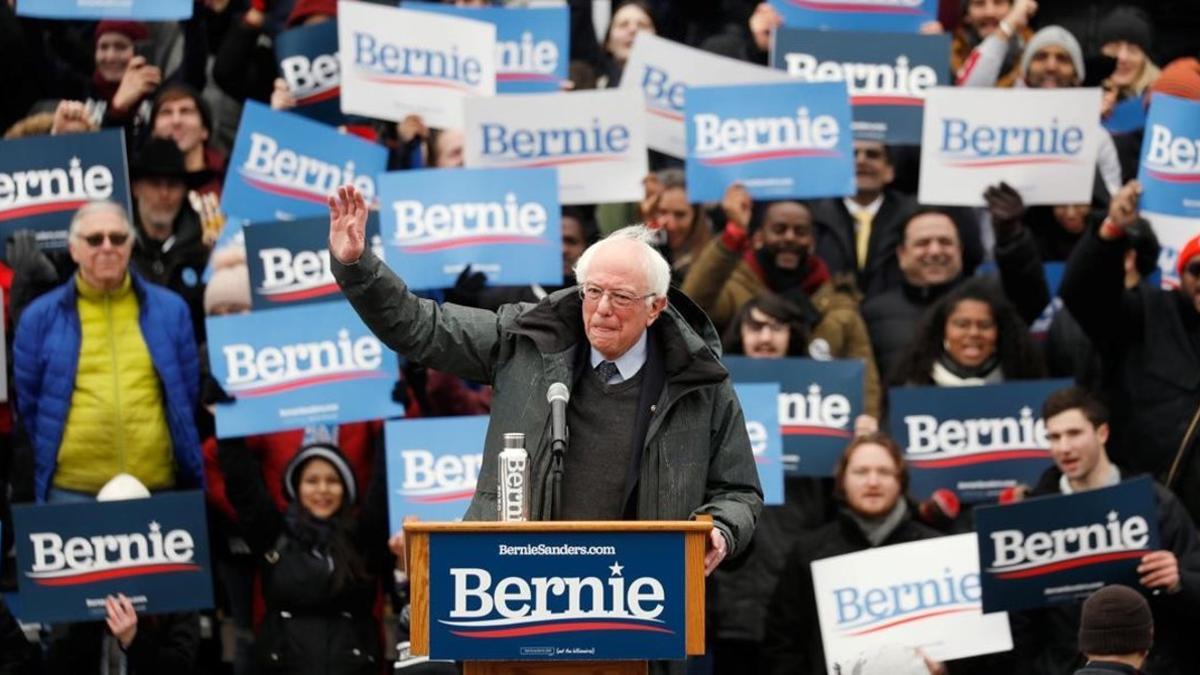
[1116, 630]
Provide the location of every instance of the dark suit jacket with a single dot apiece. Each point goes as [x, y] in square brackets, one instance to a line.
[834, 230]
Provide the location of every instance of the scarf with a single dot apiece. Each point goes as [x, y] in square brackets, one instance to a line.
[947, 373]
[879, 528]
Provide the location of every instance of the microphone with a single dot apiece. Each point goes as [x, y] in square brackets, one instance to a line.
[557, 396]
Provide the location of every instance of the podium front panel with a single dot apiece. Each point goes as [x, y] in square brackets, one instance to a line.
[557, 596]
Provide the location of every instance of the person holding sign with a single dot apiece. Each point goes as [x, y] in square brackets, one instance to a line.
[656, 431]
[1044, 639]
[871, 483]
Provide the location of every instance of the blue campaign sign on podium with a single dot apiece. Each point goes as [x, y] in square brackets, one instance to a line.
[1170, 162]
[155, 551]
[505, 223]
[290, 367]
[555, 596]
[285, 166]
[760, 406]
[791, 139]
[432, 466]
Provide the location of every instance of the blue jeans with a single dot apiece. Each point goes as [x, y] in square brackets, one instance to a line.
[60, 496]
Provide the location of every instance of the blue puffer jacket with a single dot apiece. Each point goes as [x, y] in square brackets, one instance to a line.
[46, 357]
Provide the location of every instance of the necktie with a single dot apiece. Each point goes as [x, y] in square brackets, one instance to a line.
[606, 371]
[862, 237]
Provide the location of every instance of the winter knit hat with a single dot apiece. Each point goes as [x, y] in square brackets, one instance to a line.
[1116, 620]
[306, 8]
[329, 453]
[1054, 35]
[1181, 78]
[1127, 23]
[136, 31]
[230, 282]
[1190, 250]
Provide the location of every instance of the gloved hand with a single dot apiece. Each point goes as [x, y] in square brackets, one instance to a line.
[467, 287]
[1007, 209]
[28, 261]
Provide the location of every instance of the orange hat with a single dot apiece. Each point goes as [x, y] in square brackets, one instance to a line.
[1181, 78]
[1190, 250]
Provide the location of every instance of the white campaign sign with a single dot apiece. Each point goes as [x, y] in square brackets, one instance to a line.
[1042, 142]
[596, 140]
[894, 595]
[1173, 232]
[662, 70]
[399, 62]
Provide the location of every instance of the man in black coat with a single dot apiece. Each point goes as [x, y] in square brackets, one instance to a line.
[1045, 639]
[1149, 341]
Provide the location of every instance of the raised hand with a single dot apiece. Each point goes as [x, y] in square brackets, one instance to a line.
[121, 619]
[737, 204]
[1122, 210]
[139, 81]
[347, 224]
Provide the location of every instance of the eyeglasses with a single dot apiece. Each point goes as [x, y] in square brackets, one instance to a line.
[619, 299]
[1193, 269]
[114, 238]
[755, 326]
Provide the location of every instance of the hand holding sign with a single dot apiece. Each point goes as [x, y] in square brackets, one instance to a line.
[738, 205]
[347, 225]
[763, 22]
[1160, 570]
[1122, 211]
[121, 619]
[139, 81]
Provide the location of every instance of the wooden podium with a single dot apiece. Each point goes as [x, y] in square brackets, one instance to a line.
[424, 538]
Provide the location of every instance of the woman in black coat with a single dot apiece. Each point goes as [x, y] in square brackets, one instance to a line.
[320, 560]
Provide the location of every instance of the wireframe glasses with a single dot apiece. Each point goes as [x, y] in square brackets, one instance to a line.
[619, 299]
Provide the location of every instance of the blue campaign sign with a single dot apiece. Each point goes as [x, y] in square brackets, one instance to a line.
[1055, 550]
[308, 62]
[760, 405]
[1170, 166]
[137, 10]
[45, 179]
[817, 404]
[532, 44]
[1126, 116]
[557, 596]
[289, 261]
[892, 16]
[783, 140]
[976, 441]
[71, 556]
[502, 222]
[285, 166]
[887, 75]
[432, 466]
[290, 367]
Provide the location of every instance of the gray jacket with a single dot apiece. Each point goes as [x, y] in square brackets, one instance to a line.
[695, 456]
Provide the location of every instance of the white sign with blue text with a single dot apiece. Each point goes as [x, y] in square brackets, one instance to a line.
[1170, 164]
[596, 140]
[1042, 142]
[130, 10]
[760, 406]
[893, 595]
[290, 367]
[285, 167]
[401, 62]
[432, 466]
[888, 16]
[778, 140]
[662, 70]
[502, 222]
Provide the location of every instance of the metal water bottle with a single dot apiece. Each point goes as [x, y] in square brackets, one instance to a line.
[512, 494]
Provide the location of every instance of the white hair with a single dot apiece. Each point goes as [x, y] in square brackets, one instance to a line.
[97, 207]
[658, 271]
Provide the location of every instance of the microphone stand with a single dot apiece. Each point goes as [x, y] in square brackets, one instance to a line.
[558, 448]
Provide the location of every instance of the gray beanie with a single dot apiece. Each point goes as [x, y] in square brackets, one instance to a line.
[1053, 35]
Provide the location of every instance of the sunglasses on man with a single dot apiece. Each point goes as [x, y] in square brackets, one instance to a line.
[114, 238]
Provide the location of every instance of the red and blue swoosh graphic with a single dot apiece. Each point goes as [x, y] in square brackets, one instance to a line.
[761, 155]
[1037, 569]
[944, 460]
[255, 389]
[827, 6]
[75, 578]
[893, 620]
[560, 623]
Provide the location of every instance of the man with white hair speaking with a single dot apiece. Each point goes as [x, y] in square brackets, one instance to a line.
[655, 428]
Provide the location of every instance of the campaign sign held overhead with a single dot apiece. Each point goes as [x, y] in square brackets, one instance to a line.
[401, 62]
[45, 179]
[887, 74]
[290, 367]
[596, 140]
[432, 466]
[134, 10]
[532, 44]
[71, 556]
[556, 596]
[778, 140]
[1054, 550]
[818, 402]
[1043, 142]
[308, 62]
[976, 441]
[760, 406]
[891, 16]
[1170, 164]
[922, 594]
[662, 70]
[289, 261]
[504, 223]
[285, 167]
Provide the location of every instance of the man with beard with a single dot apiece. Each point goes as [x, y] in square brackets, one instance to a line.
[169, 250]
[776, 253]
[858, 234]
[930, 258]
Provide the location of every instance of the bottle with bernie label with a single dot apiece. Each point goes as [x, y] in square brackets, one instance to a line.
[512, 495]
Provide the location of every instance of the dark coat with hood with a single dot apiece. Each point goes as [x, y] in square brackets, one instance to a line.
[691, 454]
